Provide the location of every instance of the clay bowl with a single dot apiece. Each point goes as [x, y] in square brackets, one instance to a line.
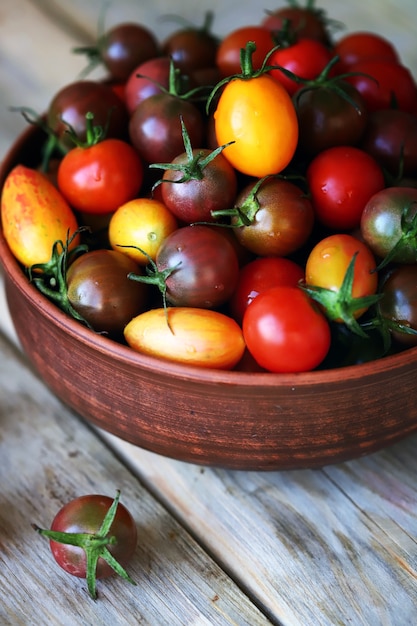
[236, 420]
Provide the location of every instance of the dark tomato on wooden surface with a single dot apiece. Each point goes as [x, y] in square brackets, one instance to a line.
[85, 514]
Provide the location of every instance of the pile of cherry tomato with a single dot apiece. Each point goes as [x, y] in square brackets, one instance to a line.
[242, 202]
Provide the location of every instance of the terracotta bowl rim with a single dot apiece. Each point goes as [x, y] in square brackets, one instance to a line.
[123, 353]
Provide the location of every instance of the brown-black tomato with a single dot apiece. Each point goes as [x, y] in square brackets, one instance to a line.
[99, 289]
[399, 302]
[281, 220]
[194, 199]
[70, 105]
[155, 127]
[205, 267]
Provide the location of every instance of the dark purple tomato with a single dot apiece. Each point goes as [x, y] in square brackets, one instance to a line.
[399, 302]
[147, 79]
[205, 266]
[210, 188]
[280, 217]
[327, 118]
[191, 48]
[155, 127]
[99, 289]
[70, 105]
[388, 224]
[85, 514]
[125, 46]
[391, 138]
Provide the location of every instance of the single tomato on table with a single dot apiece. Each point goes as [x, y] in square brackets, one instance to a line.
[92, 536]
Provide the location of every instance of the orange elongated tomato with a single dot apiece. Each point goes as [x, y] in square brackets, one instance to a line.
[34, 216]
[258, 115]
[199, 337]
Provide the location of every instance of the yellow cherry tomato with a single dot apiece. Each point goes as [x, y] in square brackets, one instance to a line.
[34, 216]
[141, 223]
[258, 115]
[188, 335]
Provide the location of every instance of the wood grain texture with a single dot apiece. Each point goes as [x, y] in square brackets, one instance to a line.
[324, 547]
[48, 456]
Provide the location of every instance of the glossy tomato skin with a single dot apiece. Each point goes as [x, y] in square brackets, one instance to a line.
[327, 119]
[228, 51]
[195, 199]
[391, 138]
[34, 215]
[85, 514]
[382, 222]
[328, 262]
[306, 22]
[258, 115]
[147, 79]
[384, 84]
[206, 265]
[259, 275]
[363, 45]
[125, 46]
[99, 289]
[155, 127]
[191, 48]
[399, 301]
[283, 221]
[192, 336]
[306, 59]
[100, 178]
[285, 332]
[70, 105]
[341, 181]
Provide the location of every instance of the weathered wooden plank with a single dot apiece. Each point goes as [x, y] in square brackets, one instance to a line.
[47, 457]
[335, 546]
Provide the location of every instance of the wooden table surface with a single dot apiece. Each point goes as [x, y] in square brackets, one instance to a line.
[296, 548]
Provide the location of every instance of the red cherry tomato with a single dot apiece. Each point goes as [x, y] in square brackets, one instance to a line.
[259, 275]
[228, 52]
[341, 181]
[360, 45]
[306, 59]
[285, 332]
[384, 84]
[100, 178]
